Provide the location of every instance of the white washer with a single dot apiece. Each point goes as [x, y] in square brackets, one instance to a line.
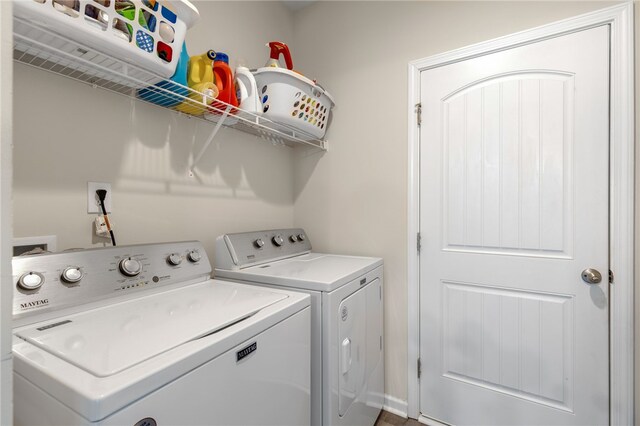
[347, 357]
[140, 335]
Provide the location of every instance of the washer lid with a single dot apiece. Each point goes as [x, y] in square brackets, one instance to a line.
[110, 339]
[313, 271]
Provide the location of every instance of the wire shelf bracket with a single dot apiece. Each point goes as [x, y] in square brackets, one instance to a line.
[209, 140]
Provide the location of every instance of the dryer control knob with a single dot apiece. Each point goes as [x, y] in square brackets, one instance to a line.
[278, 240]
[301, 237]
[72, 274]
[293, 238]
[174, 259]
[130, 267]
[194, 256]
[258, 243]
[31, 281]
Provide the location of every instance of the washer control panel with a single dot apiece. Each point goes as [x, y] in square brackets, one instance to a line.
[52, 281]
[234, 251]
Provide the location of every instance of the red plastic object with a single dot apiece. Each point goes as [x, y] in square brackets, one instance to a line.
[278, 48]
[164, 52]
[226, 87]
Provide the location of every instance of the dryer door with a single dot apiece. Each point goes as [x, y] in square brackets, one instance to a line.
[359, 342]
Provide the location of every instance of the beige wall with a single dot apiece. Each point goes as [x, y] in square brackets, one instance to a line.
[354, 200]
[67, 134]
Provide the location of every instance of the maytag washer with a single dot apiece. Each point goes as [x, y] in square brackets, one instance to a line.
[347, 357]
[140, 335]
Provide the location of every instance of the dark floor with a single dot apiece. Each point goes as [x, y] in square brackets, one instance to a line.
[387, 419]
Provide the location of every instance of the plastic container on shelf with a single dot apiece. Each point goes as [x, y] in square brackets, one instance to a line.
[247, 92]
[279, 48]
[201, 82]
[225, 83]
[147, 34]
[159, 93]
[292, 99]
[226, 91]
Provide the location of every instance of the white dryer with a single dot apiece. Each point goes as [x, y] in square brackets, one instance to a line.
[347, 357]
[141, 335]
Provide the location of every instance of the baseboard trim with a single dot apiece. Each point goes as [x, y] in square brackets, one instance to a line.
[430, 422]
[395, 406]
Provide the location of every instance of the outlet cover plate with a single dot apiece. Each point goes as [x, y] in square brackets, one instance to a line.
[93, 203]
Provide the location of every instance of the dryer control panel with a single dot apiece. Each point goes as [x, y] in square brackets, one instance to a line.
[237, 251]
[51, 281]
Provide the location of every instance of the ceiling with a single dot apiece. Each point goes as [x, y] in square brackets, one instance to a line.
[297, 4]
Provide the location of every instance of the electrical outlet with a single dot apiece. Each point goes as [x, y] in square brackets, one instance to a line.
[93, 202]
[101, 227]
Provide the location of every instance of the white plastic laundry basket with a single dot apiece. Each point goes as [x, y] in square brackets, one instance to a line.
[292, 99]
[109, 34]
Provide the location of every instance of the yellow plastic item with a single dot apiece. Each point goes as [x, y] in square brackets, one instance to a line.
[200, 78]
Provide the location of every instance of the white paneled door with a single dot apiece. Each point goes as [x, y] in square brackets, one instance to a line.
[514, 192]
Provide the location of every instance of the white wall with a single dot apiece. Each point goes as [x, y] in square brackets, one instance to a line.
[354, 200]
[6, 293]
[67, 134]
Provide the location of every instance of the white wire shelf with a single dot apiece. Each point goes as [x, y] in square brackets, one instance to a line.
[68, 58]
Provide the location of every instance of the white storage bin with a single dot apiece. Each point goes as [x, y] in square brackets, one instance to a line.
[110, 34]
[292, 99]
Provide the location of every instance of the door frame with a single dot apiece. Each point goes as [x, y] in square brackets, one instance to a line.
[621, 187]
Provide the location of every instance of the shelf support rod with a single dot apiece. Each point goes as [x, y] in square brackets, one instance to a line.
[209, 140]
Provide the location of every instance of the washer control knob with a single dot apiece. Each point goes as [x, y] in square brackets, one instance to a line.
[258, 243]
[174, 259]
[301, 237]
[278, 240]
[194, 256]
[72, 274]
[130, 267]
[293, 238]
[30, 281]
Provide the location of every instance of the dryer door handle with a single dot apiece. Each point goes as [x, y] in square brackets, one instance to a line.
[346, 356]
